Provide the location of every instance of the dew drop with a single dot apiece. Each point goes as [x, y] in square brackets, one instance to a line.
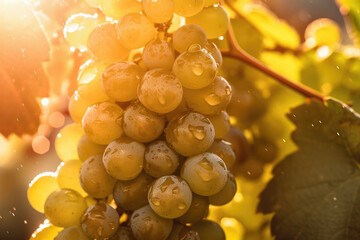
[162, 100]
[205, 163]
[155, 201]
[99, 231]
[194, 48]
[197, 131]
[228, 90]
[197, 69]
[175, 190]
[205, 175]
[212, 99]
[181, 206]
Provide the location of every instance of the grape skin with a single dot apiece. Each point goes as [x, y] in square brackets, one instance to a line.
[188, 35]
[158, 54]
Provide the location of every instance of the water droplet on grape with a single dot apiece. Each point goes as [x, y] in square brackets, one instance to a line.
[228, 90]
[99, 231]
[197, 69]
[212, 99]
[71, 196]
[205, 163]
[162, 100]
[181, 206]
[194, 48]
[175, 190]
[197, 131]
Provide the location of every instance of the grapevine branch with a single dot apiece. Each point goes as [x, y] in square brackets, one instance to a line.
[235, 51]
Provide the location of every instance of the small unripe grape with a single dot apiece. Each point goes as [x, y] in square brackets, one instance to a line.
[120, 81]
[226, 194]
[191, 134]
[209, 230]
[87, 148]
[195, 68]
[142, 124]
[225, 151]
[159, 11]
[135, 30]
[117, 9]
[158, 54]
[160, 91]
[124, 158]
[188, 8]
[188, 35]
[102, 122]
[206, 173]
[197, 211]
[221, 123]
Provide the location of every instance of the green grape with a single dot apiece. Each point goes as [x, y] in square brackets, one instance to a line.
[131, 195]
[124, 158]
[214, 20]
[197, 211]
[102, 122]
[195, 68]
[40, 188]
[225, 151]
[72, 233]
[226, 194]
[191, 134]
[160, 91]
[135, 30]
[100, 221]
[264, 150]
[211, 99]
[104, 44]
[182, 232]
[209, 230]
[120, 81]
[188, 8]
[78, 28]
[45, 231]
[158, 54]
[215, 52]
[123, 233]
[170, 196]
[322, 31]
[64, 207]
[159, 11]
[68, 176]
[206, 173]
[239, 143]
[210, 2]
[251, 169]
[94, 179]
[66, 142]
[147, 225]
[87, 148]
[221, 123]
[142, 124]
[93, 3]
[116, 9]
[160, 159]
[188, 35]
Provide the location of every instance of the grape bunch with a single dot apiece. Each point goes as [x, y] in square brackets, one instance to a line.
[146, 155]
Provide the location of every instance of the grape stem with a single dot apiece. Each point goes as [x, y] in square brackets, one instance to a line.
[235, 51]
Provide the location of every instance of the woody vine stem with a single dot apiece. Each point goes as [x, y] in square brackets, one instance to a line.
[235, 51]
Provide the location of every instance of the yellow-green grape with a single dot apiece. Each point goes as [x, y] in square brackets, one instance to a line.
[214, 20]
[147, 225]
[131, 195]
[177, 112]
[197, 211]
[94, 179]
[45, 231]
[211, 99]
[87, 148]
[188, 8]
[210, 2]
[182, 232]
[221, 123]
[72, 233]
[135, 30]
[206, 173]
[188, 35]
[226, 194]
[78, 106]
[116, 9]
[225, 151]
[120, 81]
[40, 188]
[160, 159]
[170, 196]
[215, 52]
[191, 134]
[100, 221]
[209, 230]
[195, 68]
[102, 122]
[322, 31]
[104, 44]
[142, 124]
[160, 91]
[158, 54]
[93, 3]
[64, 208]
[78, 28]
[68, 176]
[123, 233]
[66, 142]
[159, 11]
[124, 158]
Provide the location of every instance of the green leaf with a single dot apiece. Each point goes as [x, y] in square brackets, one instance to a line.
[350, 9]
[315, 192]
[23, 48]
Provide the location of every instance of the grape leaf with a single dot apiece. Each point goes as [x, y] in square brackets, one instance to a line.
[350, 8]
[315, 192]
[23, 48]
